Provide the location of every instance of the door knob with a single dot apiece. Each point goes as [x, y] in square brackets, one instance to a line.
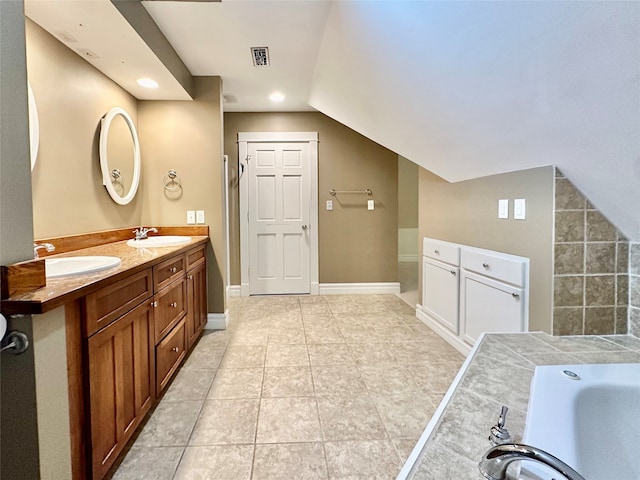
[304, 227]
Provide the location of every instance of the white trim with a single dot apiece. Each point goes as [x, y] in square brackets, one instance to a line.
[217, 321]
[281, 137]
[234, 291]
[408, 258]
[412, 461]
[392, 288]
[451, 338]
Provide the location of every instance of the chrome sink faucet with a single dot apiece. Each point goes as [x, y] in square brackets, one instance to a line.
[141, 233]
[495, 461]
[37, 246]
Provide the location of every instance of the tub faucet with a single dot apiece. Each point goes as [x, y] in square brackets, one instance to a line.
[37, 246]
[495, 461]
[141, 233]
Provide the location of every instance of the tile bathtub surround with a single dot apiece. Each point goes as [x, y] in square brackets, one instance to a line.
[591, 278]
[500, 374]
[323, 388]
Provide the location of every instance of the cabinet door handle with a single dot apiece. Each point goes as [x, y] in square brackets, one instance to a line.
[173, 269]
[175, 349]
[485, 265]
[452, 272]
[515, 295]
[154, 304]
[173, 304]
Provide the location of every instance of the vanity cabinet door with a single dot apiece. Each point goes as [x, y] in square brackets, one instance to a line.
[197, 298]
[121, 383]
[440, 292]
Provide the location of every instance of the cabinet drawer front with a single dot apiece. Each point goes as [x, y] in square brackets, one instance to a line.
[169, 354]
[443, 251]
[166, 272]
[195, 257]
[170, 306]
[108, 303]
[508, 270]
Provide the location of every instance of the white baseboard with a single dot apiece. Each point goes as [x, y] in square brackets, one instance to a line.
[392, 288]
[408, 258]
[447, 335]
[217, 321]
[234, 291]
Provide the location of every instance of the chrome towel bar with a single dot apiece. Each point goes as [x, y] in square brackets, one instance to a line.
[334, 192]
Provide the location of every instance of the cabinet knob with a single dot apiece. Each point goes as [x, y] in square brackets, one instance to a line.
[173, 304]
[452, 272]
[189, 277]
[154, 304]
[173, 269]
[485, 265]
[175, 349]
[515, 295]
[437, 252]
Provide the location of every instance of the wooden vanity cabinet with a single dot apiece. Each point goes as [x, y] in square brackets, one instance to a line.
[196, 317]
[121, 383]
[137, 331]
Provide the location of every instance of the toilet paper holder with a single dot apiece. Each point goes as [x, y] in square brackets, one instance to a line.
[15, 342]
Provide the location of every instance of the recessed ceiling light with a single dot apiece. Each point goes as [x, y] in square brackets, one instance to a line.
[276, 97]
[147, 83]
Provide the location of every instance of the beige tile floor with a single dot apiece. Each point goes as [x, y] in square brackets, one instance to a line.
[322, 387]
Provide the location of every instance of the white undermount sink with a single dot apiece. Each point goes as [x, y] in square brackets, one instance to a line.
[159, 241]
[68, 266]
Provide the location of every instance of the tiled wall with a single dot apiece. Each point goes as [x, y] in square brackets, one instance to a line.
[591, 279]
[634, 290]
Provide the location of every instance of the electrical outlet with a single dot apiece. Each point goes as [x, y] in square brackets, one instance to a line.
[329, 204]
[520, 209]
[503, 208]
[199, 216]
[191, 217]
[370, 205]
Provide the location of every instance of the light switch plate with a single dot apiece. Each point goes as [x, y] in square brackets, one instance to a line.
[329, 204]
[503, 208]
[520, 209]
[199, 216]
[370, 205]
[191, 217]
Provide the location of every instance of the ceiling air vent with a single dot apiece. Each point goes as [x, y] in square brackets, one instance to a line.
[260, 56]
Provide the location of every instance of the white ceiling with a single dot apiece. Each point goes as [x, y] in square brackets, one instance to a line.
[464, 89]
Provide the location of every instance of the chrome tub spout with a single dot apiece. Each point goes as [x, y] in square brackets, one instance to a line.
[495, 461]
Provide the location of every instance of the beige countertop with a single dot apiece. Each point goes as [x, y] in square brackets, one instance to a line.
[65, 289]
[499, 372]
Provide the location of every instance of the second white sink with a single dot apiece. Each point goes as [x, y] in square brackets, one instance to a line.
[68, 266]
[159, 241]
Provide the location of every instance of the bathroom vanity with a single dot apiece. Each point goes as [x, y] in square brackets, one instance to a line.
[127, 331]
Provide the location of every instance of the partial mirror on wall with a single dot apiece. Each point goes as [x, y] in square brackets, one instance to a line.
[34, 127]
[119, 155]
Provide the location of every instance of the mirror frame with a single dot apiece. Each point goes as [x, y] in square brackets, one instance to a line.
[105, 123]
[34, 127]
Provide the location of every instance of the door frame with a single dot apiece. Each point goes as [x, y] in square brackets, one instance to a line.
[244, 138]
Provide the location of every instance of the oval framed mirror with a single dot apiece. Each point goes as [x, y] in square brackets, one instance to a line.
[34, 127]
[119, 155]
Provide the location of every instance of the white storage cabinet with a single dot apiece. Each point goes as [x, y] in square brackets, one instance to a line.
[440, 282]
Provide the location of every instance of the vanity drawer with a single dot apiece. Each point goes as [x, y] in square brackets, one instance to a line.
[170, 306]
[502, 268]
[105, 305]
[166, 272]
[169, 353]
[195, 257]
[442, 251]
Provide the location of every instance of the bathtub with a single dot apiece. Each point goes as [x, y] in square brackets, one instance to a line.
[589, 417]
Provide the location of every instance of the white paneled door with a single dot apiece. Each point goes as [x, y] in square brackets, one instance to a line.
[279, 196]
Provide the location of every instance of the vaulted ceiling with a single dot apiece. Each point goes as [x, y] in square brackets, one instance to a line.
[464, 89]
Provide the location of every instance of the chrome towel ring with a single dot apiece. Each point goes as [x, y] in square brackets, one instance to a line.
[171, 181]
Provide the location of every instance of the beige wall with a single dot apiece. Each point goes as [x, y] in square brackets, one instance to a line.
[187, 137]
[467, 213]
[407, 193]
[68, 196]
[355, 245]
[72, 96]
